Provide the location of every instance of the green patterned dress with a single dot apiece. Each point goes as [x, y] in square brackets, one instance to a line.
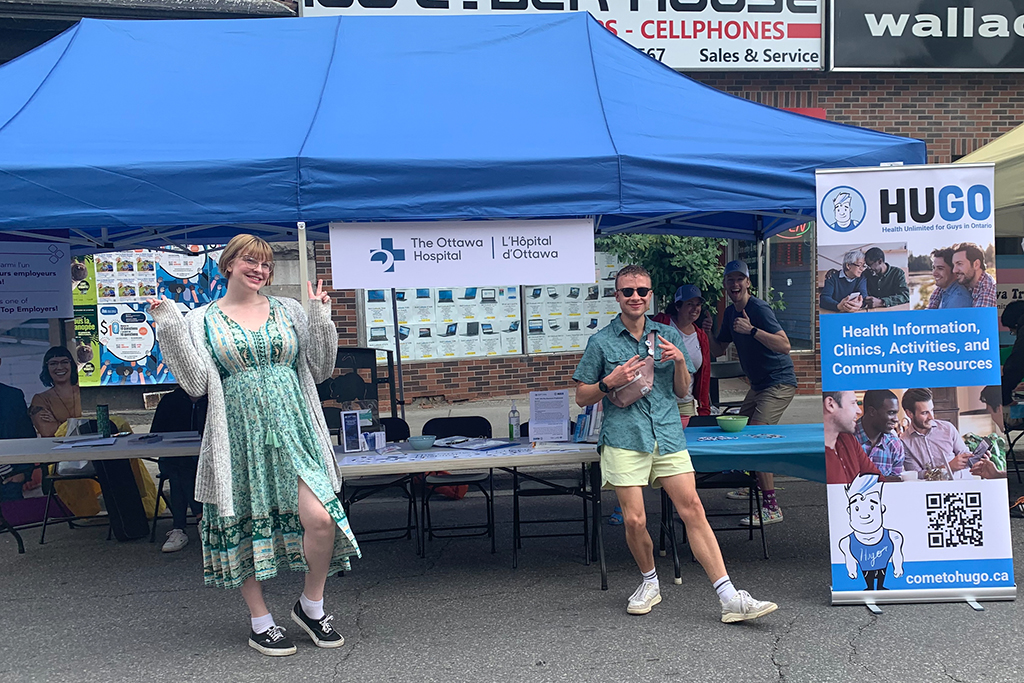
[273, 445]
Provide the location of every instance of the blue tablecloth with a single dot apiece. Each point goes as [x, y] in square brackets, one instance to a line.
[800, 453]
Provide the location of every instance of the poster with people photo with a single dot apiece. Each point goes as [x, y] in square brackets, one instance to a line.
[114, 341]
[914, 448]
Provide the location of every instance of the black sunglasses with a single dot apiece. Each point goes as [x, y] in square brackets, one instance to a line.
[628, 291]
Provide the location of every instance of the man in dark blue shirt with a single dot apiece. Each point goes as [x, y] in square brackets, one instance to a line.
[763, 348]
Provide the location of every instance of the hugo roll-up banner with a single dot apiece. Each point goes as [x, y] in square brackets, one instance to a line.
[914, 448]
[461, 253]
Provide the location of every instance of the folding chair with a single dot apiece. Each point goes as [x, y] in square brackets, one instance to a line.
[526, 486]
[471, 426]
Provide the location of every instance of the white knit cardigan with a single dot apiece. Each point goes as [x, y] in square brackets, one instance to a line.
[183, 342]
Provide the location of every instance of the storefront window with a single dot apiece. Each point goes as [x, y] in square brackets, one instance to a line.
[791, 276]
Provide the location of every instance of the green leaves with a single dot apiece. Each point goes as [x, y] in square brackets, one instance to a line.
[671, 261]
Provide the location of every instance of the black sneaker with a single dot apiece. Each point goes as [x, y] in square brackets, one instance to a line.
[320, 630]
[272, 642]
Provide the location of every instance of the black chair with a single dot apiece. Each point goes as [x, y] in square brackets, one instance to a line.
[49, 479]
[472, 426]
[713, 480]
[1011, 452]
[527, 486]
[360, 488]
[724, 370]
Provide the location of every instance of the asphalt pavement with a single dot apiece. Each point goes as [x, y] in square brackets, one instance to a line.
[81, 608]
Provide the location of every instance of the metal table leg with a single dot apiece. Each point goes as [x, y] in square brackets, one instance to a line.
[4, 524]
[595, 492]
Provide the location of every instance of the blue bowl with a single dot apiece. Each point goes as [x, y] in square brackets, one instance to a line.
[422, 443]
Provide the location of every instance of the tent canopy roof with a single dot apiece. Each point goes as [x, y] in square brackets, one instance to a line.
[132, 132]
[1007, 152]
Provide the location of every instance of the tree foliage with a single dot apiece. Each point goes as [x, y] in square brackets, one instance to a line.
[671, 261]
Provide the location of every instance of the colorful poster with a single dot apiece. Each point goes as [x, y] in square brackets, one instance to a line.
[83, 282]
[914, 448]
[87, 346]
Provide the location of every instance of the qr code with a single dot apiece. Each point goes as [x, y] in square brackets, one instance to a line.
[954, 519]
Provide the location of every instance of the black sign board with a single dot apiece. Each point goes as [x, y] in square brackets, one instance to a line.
[927, 35]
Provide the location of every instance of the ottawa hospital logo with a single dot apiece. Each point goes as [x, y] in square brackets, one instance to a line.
[387, 254]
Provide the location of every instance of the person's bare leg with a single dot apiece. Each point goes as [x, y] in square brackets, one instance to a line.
[318, 529]
[682, 489]
[252, 593]
[766, 480]
[634, 517]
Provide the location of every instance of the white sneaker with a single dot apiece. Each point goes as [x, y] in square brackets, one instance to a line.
[738, 494]
[742, 607]
[176, 540]
[768, 516]
[646, 596]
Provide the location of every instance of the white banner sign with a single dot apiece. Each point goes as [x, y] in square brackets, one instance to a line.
[915, 453]
[747, 35]
[35, 280]
[461, 253]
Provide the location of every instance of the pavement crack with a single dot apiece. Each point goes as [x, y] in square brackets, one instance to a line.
[945, 672]
[361, 611]
[779, 666]
[872, 619]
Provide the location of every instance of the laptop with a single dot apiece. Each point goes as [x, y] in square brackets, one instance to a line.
[553, 292]
[535, 294]
[445, 296]
[536, 326]
[488, 296]
[486, 328]
[574, 292]
[470, 294]
[553, 324]
[611, 275]
[514, 327]
[472, 329]
[378, 334]
[403, 332]
[593, 324]
[422, 293]
[450, 332]
[375, 295]
[592, 292]
[424, 332]
[574, 325]
[400, 295]
[609, 291]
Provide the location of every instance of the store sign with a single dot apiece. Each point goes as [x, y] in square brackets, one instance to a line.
[461, 253]
[927, 35]
[747, 35]
[916, 467]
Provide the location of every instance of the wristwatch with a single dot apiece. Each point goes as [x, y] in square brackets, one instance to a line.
[603, 387]
[753, 332]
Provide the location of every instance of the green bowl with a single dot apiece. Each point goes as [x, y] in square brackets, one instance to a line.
[732, 423]
[422, 443]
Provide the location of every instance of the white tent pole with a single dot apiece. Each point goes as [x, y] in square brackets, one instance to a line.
[398, 356]
[303, 265]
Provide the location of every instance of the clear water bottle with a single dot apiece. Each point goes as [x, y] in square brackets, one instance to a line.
[513, 422]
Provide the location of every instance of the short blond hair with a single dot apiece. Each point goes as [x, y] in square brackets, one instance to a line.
[246, 245]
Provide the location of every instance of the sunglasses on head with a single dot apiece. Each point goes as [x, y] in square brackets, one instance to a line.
[628, 291]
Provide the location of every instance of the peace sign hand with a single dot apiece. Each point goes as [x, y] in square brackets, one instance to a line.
[623, 374]
[320, 294]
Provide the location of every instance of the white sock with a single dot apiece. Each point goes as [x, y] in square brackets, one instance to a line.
[725, 589]
[651, 577]
[314, 609]
[262, 624]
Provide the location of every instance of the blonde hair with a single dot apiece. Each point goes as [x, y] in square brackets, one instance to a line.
[246, 245]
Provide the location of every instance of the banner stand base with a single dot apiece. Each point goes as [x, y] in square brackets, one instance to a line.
[973, 596]
[975, 605]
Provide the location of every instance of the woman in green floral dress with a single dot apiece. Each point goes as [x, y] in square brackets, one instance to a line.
[267, 474]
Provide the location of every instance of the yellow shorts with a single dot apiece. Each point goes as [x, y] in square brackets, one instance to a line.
[623, 467]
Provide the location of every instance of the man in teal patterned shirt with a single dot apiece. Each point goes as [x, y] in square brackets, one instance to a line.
[643, 443]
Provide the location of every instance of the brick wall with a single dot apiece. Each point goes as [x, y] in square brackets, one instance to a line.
[953, 113]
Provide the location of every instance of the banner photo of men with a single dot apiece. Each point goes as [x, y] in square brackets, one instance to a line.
[914, 449]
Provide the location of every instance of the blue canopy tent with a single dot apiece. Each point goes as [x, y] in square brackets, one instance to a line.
[148, 133]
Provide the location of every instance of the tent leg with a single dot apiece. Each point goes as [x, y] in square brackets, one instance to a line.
[303, 265]
[398, 356]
